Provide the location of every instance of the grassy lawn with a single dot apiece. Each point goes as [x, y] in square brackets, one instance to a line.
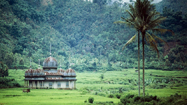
[92, 83]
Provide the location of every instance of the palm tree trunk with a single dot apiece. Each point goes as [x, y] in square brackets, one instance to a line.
[143, 36]
[138, 63]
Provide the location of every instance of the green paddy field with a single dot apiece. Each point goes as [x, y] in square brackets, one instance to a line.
[89, 84]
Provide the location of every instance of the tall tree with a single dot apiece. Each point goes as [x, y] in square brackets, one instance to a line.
[131, 21]
[148, 19]
[144, 18]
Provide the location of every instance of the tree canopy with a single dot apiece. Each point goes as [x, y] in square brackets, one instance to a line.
[83, 31]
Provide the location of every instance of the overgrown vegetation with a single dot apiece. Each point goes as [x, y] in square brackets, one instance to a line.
[8, 83]
[82, 33]
[152, 100]
[3, 70]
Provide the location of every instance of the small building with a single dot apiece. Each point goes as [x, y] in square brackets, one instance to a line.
[50, 77]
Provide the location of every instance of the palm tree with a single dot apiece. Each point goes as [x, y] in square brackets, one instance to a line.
[148, 19]
[144, 18]
[131, 21]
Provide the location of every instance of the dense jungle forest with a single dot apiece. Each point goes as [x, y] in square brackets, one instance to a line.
[84, 35]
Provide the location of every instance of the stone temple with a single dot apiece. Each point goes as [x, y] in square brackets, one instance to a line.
[50, 76]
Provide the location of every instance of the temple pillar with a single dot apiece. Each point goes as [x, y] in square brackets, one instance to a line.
[26, 84]
[74, 84]
[42, 84]
[69, 85]
[38, 85]
[33, 84]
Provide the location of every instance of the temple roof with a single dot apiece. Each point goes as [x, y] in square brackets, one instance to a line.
[50, 63]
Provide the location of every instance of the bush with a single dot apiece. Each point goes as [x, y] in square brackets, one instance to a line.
[5, 82]
[137, 98]
[84, 90]
[152, 100]
[102, 94]
[85, 101]
[118, 96]
[129, 96]
[104, 103]
[16, 84]
[90, 99]
[124, 100]
[111, 96]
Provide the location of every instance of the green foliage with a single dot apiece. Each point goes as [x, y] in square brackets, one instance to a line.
[124, 100]
[3, 70]
[80, 30]
[102, 76]
[150, 100]
[118, 96]
[105, 103]
[133, 99]
[8, 83]
[90, 99]
[84, 90]
[174, 18]
[111, 96]
[102, 94]
[174, 99]
[100, 2]
[129, 96]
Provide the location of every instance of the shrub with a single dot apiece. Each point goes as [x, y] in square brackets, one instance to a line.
[5, 82]
[90, 99]
[111, 96]
[101, 94]
[120, 103]
[129, 96]
[180, 102]
[118, 96]
[85, 101]
[84, 90]
[16, 84]
[137, 98]
[149, 98]
[124, 100]
[120, 90]
[104, 103]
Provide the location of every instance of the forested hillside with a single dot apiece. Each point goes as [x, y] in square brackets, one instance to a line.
[83, 34]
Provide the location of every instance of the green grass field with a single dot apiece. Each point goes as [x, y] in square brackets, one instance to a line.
[15, 96]
[89, 84]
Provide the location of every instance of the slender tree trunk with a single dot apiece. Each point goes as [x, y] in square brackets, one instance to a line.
[138, 63]
[143, 35]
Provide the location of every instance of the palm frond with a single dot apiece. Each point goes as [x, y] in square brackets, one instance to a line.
[129, 41]
[132, 10]
[153, 23]
[162, 30]
[123, 18]
[120, 22]
[156, 37]
[131, 14]
[137, 23]
[151, 15]
[153, 44]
